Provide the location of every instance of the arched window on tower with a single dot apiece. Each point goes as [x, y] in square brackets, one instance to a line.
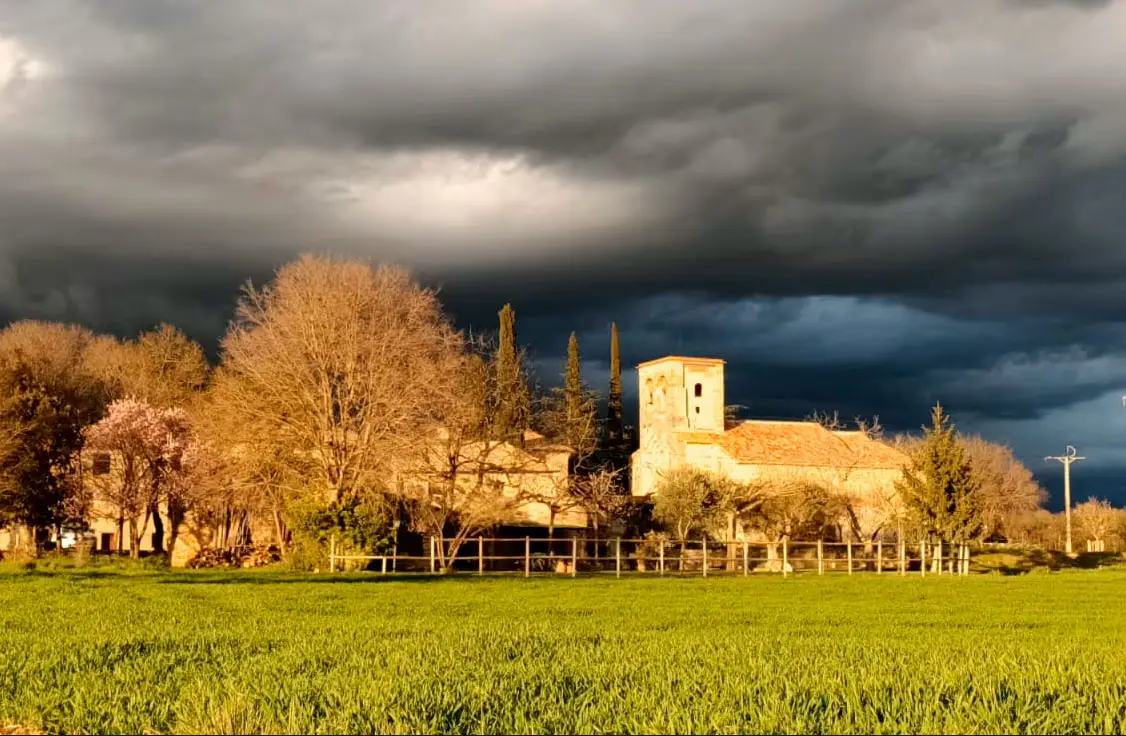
[699, 390]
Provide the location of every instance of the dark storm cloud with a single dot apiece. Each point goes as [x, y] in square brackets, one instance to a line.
[860, 205]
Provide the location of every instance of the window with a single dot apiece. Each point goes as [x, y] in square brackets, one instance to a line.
[699, 390]
[101, 464]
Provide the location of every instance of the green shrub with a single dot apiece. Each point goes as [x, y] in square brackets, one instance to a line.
[359, 527]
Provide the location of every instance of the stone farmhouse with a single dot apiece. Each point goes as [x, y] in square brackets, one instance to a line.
[530, 477]
[683, 422]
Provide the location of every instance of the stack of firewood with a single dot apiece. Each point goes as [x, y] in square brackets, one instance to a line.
[245, 556]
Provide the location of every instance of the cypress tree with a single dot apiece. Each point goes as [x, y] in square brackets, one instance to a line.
[512, 390]
[577, 412]
[614, 403]
[573, 383]
[939, 488]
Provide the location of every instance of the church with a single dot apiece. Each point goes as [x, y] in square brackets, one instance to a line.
[683, 422]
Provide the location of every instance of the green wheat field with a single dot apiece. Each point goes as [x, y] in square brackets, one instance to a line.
[251, 652]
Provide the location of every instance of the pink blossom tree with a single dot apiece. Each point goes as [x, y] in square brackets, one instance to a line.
[145, 445]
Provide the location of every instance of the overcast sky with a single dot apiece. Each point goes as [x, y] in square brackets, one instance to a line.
[860, 205]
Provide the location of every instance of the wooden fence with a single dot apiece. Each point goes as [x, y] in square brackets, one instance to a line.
[574, 556]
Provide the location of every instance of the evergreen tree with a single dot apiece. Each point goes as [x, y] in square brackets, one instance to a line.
[614, 404]
[579, 409]
[939, 488]
[512, 388]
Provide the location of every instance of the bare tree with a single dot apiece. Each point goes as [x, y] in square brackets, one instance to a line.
[162, 367]
[1006, 488]
[1096, 518]
[692, 500]
[467, 477]
[1040, 528]
[870, 428]
[791, 505]
[601, 496]
[831, 422]
[347, 365]
[868, 514]
[243, 467]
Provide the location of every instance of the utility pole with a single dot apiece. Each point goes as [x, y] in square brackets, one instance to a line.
[1067, 460]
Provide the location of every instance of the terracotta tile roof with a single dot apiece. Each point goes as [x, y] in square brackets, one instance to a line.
[871, 453]
[804, 444]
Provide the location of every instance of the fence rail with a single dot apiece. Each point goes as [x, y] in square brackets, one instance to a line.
[618, 556]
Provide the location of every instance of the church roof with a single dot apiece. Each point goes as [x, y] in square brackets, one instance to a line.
[871, 453]
[805, 444]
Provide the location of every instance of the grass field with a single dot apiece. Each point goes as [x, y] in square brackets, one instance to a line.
[254, 652]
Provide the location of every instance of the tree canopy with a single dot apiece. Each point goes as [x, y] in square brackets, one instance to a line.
[939, 488]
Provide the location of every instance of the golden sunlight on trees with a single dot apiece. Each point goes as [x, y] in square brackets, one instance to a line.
[1097, 519]
[690, 501]
[162, 367]
[145, 445]
[346, 406]
[348, 365]
[455, 481]
[939, 488]
[49, 397]
[1005, 491]
[1006, 488]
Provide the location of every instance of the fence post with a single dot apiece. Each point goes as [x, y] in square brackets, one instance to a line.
[902, 557]
[850, 555]
[879, 556]
[574, 556]
[332, 554]
[480, 556]
[704, 563]
[384, 571]
[527, 556]
[431, 553]
[618, 557]
[746, 560]
[785, 555]
[923, 558]
[661, 562]
[938, 556]
[820, 557]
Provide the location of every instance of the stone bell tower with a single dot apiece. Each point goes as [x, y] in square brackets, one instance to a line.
[677, 395]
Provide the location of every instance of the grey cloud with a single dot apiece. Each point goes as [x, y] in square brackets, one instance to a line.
[862, 206]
